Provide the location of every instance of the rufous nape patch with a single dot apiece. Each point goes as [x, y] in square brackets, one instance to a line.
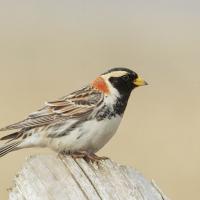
[100, 84]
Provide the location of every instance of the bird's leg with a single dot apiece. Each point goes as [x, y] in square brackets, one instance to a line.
[74, 155]
[78, 154]
[83, 154]
[87, 156]
[98, 157]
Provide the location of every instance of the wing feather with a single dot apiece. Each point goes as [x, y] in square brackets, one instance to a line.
[75, 105]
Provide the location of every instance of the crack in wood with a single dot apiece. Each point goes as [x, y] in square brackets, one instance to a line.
[46, 177]
[89, 180]
[67, 168]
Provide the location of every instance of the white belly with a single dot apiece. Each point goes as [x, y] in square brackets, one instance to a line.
[91, 136]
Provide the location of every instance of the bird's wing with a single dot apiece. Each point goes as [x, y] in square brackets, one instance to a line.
[75, 105]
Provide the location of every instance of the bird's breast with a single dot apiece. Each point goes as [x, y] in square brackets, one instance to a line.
[89, 135]
[95, 134]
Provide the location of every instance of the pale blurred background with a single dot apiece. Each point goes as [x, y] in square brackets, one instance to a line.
[49, 48]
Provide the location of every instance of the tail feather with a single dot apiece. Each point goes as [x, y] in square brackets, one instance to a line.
[7, 148]
[12, 136]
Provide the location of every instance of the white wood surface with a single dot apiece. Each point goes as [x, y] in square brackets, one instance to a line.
[47, 177]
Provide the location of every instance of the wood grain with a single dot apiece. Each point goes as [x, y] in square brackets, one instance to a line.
[47, 177]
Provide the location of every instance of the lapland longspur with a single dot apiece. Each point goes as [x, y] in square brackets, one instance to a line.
[80, 123]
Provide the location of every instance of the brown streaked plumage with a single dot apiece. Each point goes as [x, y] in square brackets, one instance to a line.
[80, 123]
[77, 104]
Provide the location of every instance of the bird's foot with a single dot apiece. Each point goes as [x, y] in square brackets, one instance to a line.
[87, 156]
[99, 158]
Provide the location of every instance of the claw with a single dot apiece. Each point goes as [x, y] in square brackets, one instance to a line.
[98, 157]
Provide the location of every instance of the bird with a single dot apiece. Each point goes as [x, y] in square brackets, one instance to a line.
[80, 123]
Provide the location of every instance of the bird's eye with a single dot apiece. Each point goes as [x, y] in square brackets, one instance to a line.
[126, 78]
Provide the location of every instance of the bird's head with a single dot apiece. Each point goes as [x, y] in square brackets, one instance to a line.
[123, 80]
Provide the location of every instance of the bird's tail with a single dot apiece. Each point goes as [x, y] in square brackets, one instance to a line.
[7, 148]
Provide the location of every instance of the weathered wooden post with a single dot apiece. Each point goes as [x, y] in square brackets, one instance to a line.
[47, 177]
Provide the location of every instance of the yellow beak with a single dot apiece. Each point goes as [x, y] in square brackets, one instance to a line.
[139, 82]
